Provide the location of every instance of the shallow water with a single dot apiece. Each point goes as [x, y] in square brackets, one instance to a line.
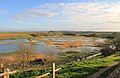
[18, 40]
[42, 48]
[5, 48]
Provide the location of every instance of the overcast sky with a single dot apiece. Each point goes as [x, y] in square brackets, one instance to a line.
[55, 15]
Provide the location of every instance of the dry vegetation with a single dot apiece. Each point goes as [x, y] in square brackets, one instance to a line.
[64, 44]
[14, 35]
[10, 59]
[23, 57]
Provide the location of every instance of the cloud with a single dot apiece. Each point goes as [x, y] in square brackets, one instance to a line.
[94, 15]
[2, 11]
[40, 11]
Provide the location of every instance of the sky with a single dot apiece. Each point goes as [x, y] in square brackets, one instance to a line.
[59, 15]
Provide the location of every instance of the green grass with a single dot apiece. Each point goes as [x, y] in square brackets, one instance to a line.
[86, 68]
[74, 70]
[107, 72]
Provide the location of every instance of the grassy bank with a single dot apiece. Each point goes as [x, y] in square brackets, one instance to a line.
[74, 70]
[87, 67]
[109, 71]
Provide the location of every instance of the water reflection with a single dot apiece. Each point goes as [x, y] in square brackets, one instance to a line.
[5, 48]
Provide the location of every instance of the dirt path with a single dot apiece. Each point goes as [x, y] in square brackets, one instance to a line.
[102, 70]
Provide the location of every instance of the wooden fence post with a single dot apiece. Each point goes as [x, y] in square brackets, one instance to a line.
[53, 70]
[6, 72]
[1, 65]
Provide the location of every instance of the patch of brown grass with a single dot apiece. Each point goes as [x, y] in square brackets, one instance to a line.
[13, 35]
[65, 44]
[12, 59]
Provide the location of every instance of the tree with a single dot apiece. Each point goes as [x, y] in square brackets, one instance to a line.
[116, 42]
[112, 46]
[107, 50]
[24, 54]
